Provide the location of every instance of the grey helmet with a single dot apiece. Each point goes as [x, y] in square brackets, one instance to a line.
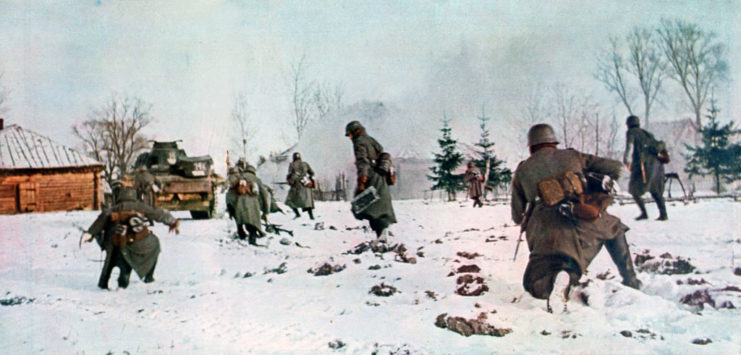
[352, 126]
[633, 121]
[541, 133]
[127, 194]
[296, 156]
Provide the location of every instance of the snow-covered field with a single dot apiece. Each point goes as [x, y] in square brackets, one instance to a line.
[214, 295]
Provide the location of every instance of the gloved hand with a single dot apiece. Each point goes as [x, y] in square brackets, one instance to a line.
[174, 226]
[607, 184]
[627, 165]
[362, 180]
[86, 238]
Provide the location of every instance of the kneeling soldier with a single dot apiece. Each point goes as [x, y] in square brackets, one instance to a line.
[564, 235]
[122, 231]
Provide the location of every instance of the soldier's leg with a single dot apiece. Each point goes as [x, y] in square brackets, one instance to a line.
[310, 211]
[105, 273]
[378, 225]
[124, 273]
[620, 254]
[295, 210]
[253, 234]
[241, 234]
[661, 204]
[641, 206]
[150, 275]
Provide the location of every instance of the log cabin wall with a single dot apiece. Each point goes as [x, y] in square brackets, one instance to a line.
[47, 190]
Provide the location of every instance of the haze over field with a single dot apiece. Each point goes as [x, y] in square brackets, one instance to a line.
[189, 59]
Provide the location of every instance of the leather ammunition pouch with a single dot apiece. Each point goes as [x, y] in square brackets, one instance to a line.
[553, 191]
[244, 187]
[130, 226]
[308, 182]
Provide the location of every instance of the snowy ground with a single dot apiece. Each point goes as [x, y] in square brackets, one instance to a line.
[214, 295]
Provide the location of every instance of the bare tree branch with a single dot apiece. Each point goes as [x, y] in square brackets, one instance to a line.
[610, 71]
[647, 65]
[245, 129]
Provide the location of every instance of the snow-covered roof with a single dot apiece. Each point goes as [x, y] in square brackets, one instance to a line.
[24, 149]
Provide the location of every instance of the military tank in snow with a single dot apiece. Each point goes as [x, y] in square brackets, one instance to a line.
[182, 183]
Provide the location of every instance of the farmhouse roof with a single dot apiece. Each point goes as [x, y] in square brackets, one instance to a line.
[24, 149]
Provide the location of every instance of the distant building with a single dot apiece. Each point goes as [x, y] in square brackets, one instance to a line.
[40, 175]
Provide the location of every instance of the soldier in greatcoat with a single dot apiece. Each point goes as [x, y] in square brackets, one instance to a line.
[646, 171]
[559, 244]
[367, 151]
[122, 232]
[300, 178]
[474, 179]
[144, 185]
[248, 201]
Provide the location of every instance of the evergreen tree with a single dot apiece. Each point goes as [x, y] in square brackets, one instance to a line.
[447, 161]
[716, 155]
[498, 175]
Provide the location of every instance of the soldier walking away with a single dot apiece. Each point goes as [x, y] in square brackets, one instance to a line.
[562, 240]
[301, 179]
[122, 232]
[144, 185]
[646, 171]
[248, 201]
[474, 179]
[367, 150]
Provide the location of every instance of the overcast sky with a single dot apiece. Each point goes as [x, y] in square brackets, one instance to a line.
[190, 58]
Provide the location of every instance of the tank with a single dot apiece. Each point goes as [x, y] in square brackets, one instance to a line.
[183, 183]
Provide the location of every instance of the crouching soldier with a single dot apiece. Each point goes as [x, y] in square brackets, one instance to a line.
[248, 201]
[301, 179]
[565, 235]
[129, 244]
[367, 160]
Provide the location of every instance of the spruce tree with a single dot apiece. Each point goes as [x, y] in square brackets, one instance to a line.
[716, 155]
[498, 175]
[447, 161]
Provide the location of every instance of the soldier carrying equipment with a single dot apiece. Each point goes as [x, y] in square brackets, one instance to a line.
[648, 156]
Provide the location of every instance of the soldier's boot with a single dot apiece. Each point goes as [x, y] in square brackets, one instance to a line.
[662, 207]
[310, 211]
[105, 275]
[298, 214]
[641, 206]
[253, 238]
[240, 232]
[123, 279]
[620, 254]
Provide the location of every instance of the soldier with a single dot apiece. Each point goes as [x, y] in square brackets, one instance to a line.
[474, 179]
[646, 171]
[122, 231]
[562, 247]
[248, 201]
[367, 151]
[300, 178]
[144, 185]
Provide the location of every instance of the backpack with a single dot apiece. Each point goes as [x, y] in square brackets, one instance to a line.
[129, 226]
[656, 148]
[383, 164]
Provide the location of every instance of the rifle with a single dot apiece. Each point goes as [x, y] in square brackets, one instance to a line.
[276, 229]
[523, 226]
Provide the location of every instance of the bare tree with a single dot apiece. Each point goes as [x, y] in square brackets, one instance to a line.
[696, 60]
[245, 128]
[112, 134]
[302, 97]
[564, 112]
[611, 70]
[647, 64]
[326, 99]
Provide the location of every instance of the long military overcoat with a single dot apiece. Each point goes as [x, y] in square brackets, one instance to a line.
[141, 254]
[548, 232]
[638, 141]
[144, 185]
[367, 150]
[299, 196]
[249, 208]
[475, 180]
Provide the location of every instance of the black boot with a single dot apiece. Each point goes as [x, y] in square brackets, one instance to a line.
[240, 232]
[620, 254]
[150, 275]
[123, 279]
[642, 207]
[253, 238]
[298, 214]
[310, 211]
[662, 207]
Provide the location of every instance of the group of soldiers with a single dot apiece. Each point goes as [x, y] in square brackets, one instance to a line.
[559, 197]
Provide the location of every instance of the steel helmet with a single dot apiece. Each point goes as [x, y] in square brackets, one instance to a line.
[633, 121]
[541, 133]
[351, 127]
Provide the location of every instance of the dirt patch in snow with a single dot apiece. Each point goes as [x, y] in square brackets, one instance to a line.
[468, 327]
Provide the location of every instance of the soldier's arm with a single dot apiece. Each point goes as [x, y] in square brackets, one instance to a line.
[309, 170]
[609, 167]
[99, 223]
[158, 214]
[518, 200]
[362, 161]
[628, 147]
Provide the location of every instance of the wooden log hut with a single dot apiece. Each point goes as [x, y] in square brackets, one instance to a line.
[40, 175]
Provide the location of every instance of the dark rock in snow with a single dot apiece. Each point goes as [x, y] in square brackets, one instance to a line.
[336, 344]
[468, 268]
[468, 327]
[698, 298]
[467, 255]
[701, 341]
[14, 301]
[626, 333]
[374, 267]
[731, 288]
[383, 290]
[664, 266]
[471, 286]
[431, 295]
[325, 269]
[282, 268]
[737, 271]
